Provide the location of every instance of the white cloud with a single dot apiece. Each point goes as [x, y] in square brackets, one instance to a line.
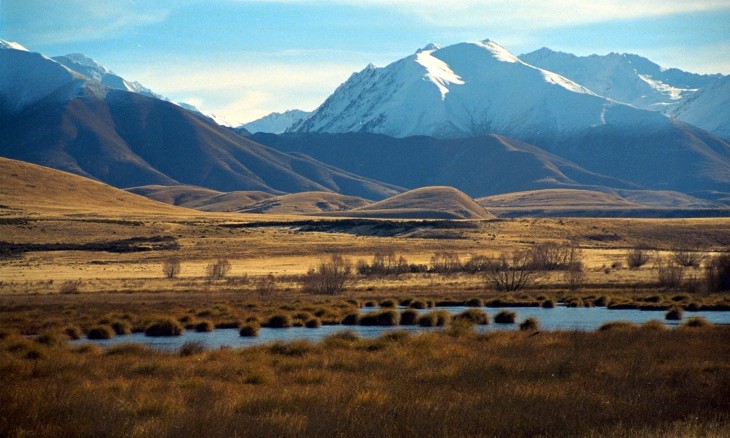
[531, 14]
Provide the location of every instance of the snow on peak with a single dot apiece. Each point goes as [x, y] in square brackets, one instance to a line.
[429, 47]
[438, 72]
[85, 61]
[498, 51]
[12, 45]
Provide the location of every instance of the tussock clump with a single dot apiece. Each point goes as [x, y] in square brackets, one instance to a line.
[475, 302]
[121, 327]
[389, 303]
[654, 325]
[505, 317]
[409, 317]
[279, 321]
[436, 318]
[617, 325]
[72, 332]
[674, 314]
[128, 349]
[294, 348]
[100, 332]
[230, 324]
[191, 348]
[249, 329]
[204, 327]
[531, 324]
[52, 339]
[385, 318]
[395, 336]
[697, 322]
[164, 327]
[418, 304]
[351, 319]
[87, 348]
[548, 304]
[343, 339]
[313, 323]
[473, 316]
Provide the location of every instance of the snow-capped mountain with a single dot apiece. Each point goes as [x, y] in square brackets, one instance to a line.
[276, 123]
[465, 90]
[623, 77]
[709, 108]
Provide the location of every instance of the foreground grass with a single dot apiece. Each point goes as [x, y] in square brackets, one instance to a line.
[623, 382]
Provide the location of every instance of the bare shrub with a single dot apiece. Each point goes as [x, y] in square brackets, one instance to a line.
[637, 257]
[574, 274]
[688, 259]
[266, 285]
[218, 269]
[477, 263]
[329, 277]
[717, 274]
[384, 263]
[171, 267]
[551, 256]
[670, 273]
[445, 262]
[511, 272]
[70, 287]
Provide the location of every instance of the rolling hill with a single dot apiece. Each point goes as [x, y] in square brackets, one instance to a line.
[201, 198]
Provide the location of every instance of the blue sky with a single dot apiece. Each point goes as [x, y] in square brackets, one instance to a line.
[242, 59]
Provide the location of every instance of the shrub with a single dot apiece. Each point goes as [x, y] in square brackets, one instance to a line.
[171, 267]
[249, 329]
[697, 322]
[383, 263]
[164, 327]
[552, 256]
[409, 317]
[313, 323]
[717, 274]
[204, 326]
[688, 259]
[574, 275]
[445, 263]
[218, 269]
[511, 272]
[100, 332]
[266, 285]
[473, 316]
[674, 314]
[435, 318]
[279, 321]
[328, 278]
[191, 348]
[531, 324]
[637, 257]
[670, 274]
[505, 317]
[70, 287]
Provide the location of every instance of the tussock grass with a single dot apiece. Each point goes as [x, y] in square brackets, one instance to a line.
[674, 314]
[313, 323]
[697, 322]
[250, 329]
[409, 317]
[617, 325]
[164, 327]
[530, 324]
[505, 317]
[473, 316]
[280, 320]
[351, 319]
[204, 326]
[191, 348]
[100, 332]
[435, 318]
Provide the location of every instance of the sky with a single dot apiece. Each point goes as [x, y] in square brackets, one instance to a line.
[243, 59]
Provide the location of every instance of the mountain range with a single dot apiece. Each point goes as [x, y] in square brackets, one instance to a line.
[471, 116]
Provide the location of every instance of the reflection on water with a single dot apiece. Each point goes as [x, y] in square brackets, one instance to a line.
[558, 318]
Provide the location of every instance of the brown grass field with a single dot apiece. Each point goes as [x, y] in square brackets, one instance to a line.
[74, 256]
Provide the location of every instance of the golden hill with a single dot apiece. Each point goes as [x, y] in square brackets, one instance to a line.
[556, 198]
[436, 202]
[201, 198]
[307, 203]
[32, 188]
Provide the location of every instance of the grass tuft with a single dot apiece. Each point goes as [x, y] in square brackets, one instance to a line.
[530, 324]
[164, 327]
[505, 317]
[100, 332]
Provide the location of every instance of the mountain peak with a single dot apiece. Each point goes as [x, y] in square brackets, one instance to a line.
[12, 45]
[429, 47]
[83, 60]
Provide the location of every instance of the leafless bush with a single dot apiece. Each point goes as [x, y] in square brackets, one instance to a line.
[478, 263]
[637, 257]
[688, 259]
[717, 274]
[445, 263]
[171, 267]
[575, 274]
[551, 256]
[328, 278]
[511, 272]
[70, 287]
[218, 269]
[384, 263]
[670, 273]
[266, 285]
